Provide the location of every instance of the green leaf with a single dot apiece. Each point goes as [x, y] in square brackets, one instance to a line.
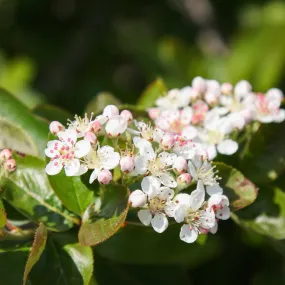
[268, 215]
[16, 138]
[142, 245]
[3, 217]
[131, 274]
[28, 190]
[152, 92]
[12, 264]
[73, 193]
[240, 191]
[110, 218]
[265, 158]
[100, 101]
[20, 116]
[52, 113]
[37, 249]
[64, 262]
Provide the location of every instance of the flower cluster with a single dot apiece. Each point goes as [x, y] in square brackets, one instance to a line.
[210, 113]
[6, 160]
[170, 155]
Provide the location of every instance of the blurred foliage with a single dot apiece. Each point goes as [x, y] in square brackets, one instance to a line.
[65, 52]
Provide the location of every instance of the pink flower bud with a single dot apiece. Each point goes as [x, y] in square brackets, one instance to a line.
[127, 115]
[167, 141]
[242, 88]
[199, 84]
[105, 176]
[227, 88]
[10, 165]
[56, 127]
[153, 113]
[110, 111]
[5, 154]
[96, 126]
[180, 165]
[184, 179]
[90, 137]
[137, 199]
[127, 164]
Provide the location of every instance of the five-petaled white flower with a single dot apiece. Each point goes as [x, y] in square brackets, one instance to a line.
[105, 158]
[190, 210]
[156, 165]
[66, 153]
[158, 198]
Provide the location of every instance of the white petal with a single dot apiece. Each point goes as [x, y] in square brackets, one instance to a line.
[139, 142]
[189, 132]
[141, 164]
[150, 184]
[227, 147]
[211, 152]
[94, 175]
[53, 167]
[148, 152]
[50, 151]
[167, 180]
[72, 167]
[116, 126]
[214, 229]
[186, 115]
[82, 148]
[167, 158]
[101, 119]
[197, 197]
[280, 117]
[214, 189]
[68, 136]
[105, 150]
[208, 219]
[181, 212]
[111, 160]
[159, 222]
[188, 233]
[165, 193]
[145, 217]
[224, 213]
[192, 170]
[183, 198]
[83, 169]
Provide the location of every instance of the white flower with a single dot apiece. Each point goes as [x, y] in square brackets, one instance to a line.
[203, 171]
[81, 125]
[116, 126]
[158, 198]
[156, 165]
[220, 204]
[189, 209]
[174, 99]
[104, 158]
[66, 153]
[147, 132]
[267, 107]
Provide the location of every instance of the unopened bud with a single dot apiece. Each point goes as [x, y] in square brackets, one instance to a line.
[167, 142]
[96, 126]
[180, 165]
[199, 84]
[226, 88]
[127, 164]
[242, 88]
[90, 137]
[5, 154]
[127, 115]
[56, 127]
[10, 165]
[110, 111]
[184, 179]
[137, 199]
[105, 176]
[116, 126]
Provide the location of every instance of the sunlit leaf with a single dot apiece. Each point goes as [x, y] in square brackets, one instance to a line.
[37, 249]
[3, 217]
